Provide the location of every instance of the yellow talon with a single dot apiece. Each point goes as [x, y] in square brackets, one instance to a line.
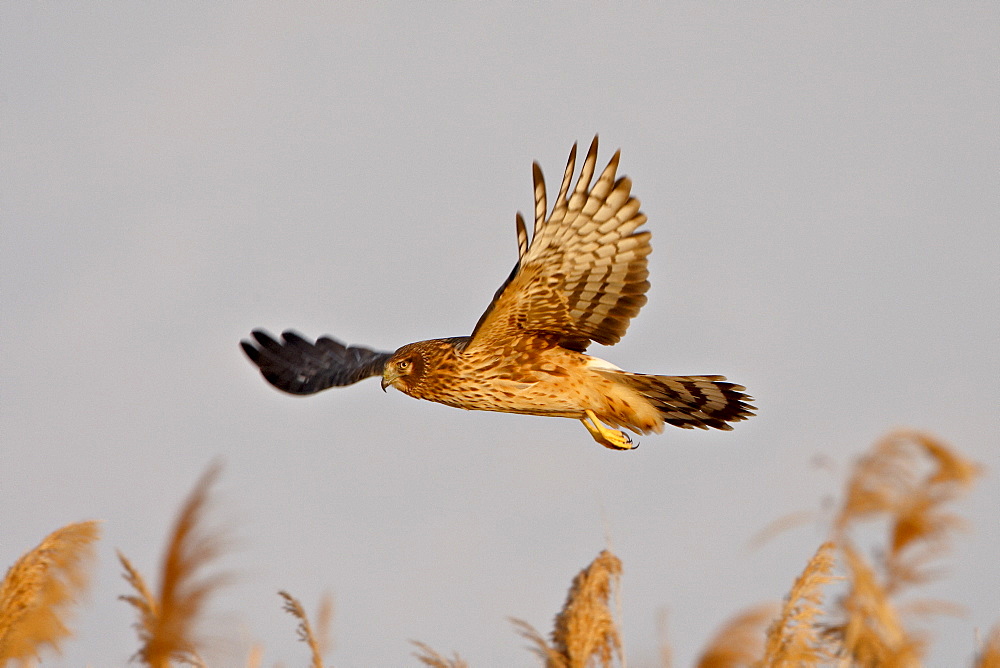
[609, 438]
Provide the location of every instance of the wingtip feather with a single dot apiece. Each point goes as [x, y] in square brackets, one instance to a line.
[522, 235]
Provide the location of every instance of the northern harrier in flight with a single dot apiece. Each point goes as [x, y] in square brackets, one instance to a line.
[580, 278]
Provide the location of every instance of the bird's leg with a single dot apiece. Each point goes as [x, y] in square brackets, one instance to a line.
[609, 438]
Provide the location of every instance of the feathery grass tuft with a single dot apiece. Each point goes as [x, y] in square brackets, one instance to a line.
[906, 480]
[872, 632]
[989, 655]
[318, 639]
[550, 657]
[39, 590]
[740, 641]
[167, 625]
[793, 638]
[429, 657]
[585, 628]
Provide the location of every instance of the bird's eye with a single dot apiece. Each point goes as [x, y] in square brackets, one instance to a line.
[403, 364]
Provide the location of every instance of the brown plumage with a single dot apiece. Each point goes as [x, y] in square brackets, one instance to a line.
[581, 278]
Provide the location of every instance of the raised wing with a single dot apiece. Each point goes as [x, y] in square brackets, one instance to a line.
[298, 366]
[583, 276]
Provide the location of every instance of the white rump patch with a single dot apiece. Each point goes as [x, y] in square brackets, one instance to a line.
[598, 363]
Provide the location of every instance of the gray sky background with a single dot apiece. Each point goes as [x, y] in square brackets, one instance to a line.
[822, 185]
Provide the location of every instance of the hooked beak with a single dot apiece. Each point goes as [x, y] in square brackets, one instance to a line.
[388, 377]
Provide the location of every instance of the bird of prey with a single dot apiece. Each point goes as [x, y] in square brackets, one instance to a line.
[580, 278]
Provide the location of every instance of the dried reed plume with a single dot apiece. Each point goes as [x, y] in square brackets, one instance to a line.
[989, 654]
[318, 639]
[740, 641]
[167, 622]
[585, 632]
[872, 632]
[429, 657]
[39, 590]
[906, 480]
[793, 639]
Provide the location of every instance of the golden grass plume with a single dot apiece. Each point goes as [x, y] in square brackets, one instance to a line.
[39, 590]
[318, 639]
[872, 632]
[740, 641]
[906, 481]
[586, 632]
[989, 654]
[794, 638]
[168, 620]
[429, 657]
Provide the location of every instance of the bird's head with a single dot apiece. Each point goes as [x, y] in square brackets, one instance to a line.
[404, 369]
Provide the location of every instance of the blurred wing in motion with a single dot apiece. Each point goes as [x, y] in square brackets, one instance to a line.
[298, 366]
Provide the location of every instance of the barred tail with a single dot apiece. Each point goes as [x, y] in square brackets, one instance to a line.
[693, 401]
